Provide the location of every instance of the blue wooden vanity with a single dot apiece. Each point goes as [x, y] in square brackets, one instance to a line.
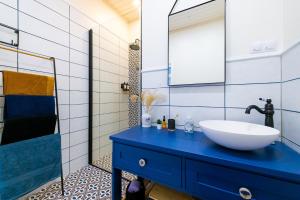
[193, 164]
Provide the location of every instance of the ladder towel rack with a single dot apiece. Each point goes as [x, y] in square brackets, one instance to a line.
[41, 57]
[25, 53]
[14, 49]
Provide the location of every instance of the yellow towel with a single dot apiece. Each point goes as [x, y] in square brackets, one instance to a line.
[16, 83]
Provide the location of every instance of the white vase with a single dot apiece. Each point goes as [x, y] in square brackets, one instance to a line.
[146, 120]
[158, 126]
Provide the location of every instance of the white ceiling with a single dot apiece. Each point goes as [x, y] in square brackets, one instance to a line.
[197, 15]
[128, 9]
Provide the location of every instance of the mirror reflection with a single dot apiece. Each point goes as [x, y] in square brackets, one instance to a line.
[197, 44]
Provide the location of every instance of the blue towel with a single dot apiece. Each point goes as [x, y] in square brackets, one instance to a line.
[27, 128]
[19, 106]
[27, 165]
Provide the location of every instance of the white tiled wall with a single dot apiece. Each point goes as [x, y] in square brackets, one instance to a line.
[110, 104]
[54, 28]
[247, 80]
[275, 77]
[291, 97]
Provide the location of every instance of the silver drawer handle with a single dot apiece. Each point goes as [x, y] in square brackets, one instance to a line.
[142, 162]
[245, 193]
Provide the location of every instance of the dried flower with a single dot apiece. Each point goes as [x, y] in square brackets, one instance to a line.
[148, 98]
[134, 98]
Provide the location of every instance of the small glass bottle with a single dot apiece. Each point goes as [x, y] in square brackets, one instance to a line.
[164, 123]
[189, 125]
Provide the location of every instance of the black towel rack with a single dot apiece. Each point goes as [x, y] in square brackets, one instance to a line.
[16, 31]
[12, 49]
[54, 71]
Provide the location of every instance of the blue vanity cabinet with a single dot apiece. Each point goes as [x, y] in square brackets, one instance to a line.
[193, 164]
[210, 181]
[156, 166]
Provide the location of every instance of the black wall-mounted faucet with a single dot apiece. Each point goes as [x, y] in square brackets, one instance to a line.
[268, 112]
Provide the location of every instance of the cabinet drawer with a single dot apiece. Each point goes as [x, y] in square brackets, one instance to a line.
[155, 166]
[212, 182]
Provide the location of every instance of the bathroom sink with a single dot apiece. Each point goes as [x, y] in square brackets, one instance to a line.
[239, 135]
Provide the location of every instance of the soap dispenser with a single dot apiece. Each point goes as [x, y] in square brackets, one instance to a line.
[189, 125]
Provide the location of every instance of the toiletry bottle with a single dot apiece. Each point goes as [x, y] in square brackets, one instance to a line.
[164, 123]
[189, 125]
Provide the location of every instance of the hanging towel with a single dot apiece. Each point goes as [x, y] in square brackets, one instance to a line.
[27, 165]
[27, 84]
[17, 106]
[27, 128]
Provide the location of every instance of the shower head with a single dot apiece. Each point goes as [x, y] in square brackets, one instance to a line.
[135, 45]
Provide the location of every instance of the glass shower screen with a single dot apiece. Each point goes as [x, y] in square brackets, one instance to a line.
[108, 103]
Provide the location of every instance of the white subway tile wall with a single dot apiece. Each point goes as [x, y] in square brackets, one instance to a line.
[275, 77]
[291, 97]
[110, 104]
[246, 81]
[54, 28]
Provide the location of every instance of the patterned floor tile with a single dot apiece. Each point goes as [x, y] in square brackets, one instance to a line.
[106, 162]
[89, 183]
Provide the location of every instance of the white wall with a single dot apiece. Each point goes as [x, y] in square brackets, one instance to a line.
[291, 74]
[134, 30]
[251, 21]
[53, 28]
[291, 23]
[103, 14]
[155, 32]
[246, 80]
[291, 97]
[248, 22]
[110, 104]
[206, 39]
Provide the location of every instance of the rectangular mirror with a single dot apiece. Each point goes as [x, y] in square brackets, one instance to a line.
[197, 44]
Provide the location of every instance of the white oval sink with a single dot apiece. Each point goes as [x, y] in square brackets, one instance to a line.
[239, 135]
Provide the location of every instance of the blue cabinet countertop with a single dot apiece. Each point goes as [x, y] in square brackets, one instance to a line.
[277, 161]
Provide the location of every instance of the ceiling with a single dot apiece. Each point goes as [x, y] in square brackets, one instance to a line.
[197, 15]
[128, 9]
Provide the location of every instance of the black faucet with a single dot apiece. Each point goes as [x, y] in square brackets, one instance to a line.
[268, 112]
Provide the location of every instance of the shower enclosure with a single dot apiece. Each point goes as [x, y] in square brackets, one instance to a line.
[112, 62]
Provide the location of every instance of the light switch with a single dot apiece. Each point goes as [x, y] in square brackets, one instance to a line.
[264, 46]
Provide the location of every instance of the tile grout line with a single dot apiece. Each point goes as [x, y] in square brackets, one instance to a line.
[69, 92]
[100, 72]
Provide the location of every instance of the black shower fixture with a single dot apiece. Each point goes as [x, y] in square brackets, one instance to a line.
[136, 45]
[125, 87]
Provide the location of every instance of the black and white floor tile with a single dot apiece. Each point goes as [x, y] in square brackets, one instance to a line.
[89, 183]
[106, 162]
